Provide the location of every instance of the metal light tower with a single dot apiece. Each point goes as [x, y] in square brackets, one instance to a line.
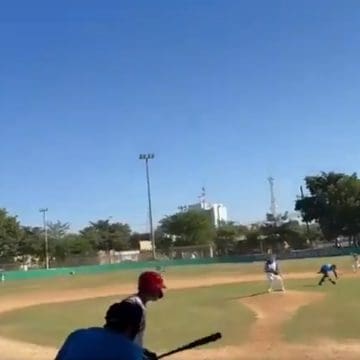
[44, 211]
[306, 222]
[272, 197]
[146, 158]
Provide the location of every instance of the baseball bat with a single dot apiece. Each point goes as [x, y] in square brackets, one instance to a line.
[199, 342]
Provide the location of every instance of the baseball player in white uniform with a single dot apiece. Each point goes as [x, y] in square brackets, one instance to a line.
[356, 262]
[150, 288]
[273, 275]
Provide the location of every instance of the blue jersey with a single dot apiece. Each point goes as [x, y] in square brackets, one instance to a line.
[98, 344]
[327, 268]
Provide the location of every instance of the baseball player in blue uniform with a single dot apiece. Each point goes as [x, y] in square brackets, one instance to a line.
[326, 271]
[273, 275]
[114, 341]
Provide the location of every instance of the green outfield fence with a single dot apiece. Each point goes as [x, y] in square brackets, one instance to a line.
[98, 269]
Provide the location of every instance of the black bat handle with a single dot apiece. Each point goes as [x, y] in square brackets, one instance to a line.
[196, 343]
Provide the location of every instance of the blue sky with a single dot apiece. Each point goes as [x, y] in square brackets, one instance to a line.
[225, 93]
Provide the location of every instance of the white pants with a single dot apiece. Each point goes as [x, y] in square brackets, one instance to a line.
[275, 282]
[356, 265]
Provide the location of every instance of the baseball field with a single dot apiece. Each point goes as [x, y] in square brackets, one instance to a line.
[305, 322]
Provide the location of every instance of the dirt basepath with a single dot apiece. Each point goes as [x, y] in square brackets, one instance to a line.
[11, 302]
[265, 338]
[265, 341]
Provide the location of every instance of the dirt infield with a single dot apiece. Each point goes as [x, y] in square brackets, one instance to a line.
[265, 342]
[272, 311]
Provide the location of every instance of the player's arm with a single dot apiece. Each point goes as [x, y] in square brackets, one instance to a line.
[335, 273]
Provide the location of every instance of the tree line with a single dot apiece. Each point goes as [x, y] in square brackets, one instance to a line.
[329, 209]
[17, 241]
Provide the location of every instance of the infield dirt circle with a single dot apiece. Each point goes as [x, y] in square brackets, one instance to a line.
[265, 341]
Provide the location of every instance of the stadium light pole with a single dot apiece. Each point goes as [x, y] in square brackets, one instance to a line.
[146, 158]
[44, 211]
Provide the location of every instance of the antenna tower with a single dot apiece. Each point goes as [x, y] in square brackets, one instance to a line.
[272, 197]
[203, 197]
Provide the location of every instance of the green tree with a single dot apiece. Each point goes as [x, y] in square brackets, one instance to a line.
[333, 202]
[77, 245]
[294, 234]
[189, 228]
[228, 236]
[103, 235]
[57, 230]
[279, 234]
[73, 245]
[32, 242]
[56, 233]
[163, 241]
[10, 235]
[253, 238]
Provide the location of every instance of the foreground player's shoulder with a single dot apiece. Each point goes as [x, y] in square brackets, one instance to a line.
[133, 299]
[76, 334]
[136, 301]
[74, 339]
[80, 334]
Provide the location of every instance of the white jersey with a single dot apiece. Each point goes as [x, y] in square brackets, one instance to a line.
[139, 338]
[271, 266]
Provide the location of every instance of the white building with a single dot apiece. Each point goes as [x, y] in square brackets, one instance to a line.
[218, 212]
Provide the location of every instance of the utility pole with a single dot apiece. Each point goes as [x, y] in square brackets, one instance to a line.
[146, 158]
[44, 211]
[306, 222]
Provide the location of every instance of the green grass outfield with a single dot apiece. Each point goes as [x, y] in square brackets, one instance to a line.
[177, 272]
[182, 314]
[192, 313]
[336, 317]
[189, 313]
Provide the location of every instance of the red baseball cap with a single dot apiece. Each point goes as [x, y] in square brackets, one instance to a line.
[151, 282]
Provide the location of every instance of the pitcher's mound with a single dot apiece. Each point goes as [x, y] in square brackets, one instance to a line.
[273, 309]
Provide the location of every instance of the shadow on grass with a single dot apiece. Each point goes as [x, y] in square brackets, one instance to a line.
[248, 296]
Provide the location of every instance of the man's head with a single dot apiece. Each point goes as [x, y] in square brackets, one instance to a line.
[333, 267]
[151, 285]
[124, 317]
